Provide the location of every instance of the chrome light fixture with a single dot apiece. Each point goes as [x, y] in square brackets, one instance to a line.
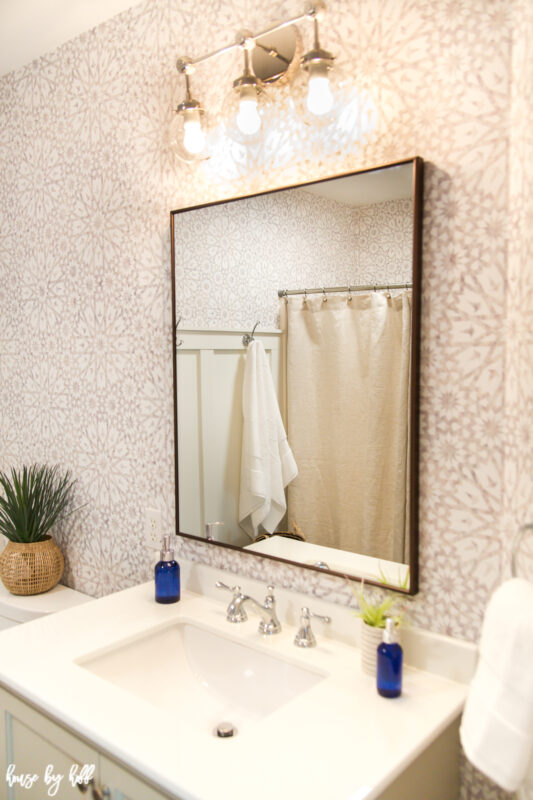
[246, 107]
[189, 137]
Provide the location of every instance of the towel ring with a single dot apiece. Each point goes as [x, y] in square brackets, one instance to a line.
[516, 546]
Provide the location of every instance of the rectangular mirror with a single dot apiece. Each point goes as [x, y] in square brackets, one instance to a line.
[327, 276]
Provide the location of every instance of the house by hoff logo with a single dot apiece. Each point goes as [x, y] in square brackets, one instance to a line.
[78, 775]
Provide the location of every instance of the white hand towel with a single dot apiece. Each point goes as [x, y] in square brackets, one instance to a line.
[497, 724]
[526, 790]
[267, 462]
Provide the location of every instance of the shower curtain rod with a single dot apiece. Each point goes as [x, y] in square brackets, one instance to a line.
[373, 287]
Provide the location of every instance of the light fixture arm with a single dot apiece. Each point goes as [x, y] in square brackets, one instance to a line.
[247, 68]
[317, 41]
[185, 68]
[188, 96]
[189, 104]
[313, 11]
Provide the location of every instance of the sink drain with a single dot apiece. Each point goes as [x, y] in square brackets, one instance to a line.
[225, 730]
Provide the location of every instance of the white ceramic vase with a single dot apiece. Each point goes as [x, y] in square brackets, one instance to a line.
[370, 639]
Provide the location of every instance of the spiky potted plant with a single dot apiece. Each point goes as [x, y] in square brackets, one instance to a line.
[32, 500]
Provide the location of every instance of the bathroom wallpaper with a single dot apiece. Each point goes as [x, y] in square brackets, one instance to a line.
[283, 241]
[87, 181]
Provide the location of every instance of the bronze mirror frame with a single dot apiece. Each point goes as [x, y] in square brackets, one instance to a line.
[417, 209]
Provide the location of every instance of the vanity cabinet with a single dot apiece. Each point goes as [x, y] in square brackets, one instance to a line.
[42, 751]
[131, 788]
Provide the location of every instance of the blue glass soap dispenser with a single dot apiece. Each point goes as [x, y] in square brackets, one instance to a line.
[167, 575]
[389, 662]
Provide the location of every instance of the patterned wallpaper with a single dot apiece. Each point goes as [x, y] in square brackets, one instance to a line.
[232, 259]
[86, 184]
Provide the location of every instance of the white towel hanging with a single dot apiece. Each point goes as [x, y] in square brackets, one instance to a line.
[267, 462]
[497, 724]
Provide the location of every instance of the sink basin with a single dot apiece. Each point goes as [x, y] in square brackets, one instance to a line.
[202, 676]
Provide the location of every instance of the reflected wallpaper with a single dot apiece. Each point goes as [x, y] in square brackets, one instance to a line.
[283, 241]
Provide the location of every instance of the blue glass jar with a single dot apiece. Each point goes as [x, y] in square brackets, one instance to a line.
[167, 575]
[389, 663]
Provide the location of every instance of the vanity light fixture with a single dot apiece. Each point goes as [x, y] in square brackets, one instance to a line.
[246, 105]
[190, 137]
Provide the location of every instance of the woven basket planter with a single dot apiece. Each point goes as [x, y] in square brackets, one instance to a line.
[31, 568]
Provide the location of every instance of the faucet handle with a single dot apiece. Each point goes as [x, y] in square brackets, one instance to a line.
[235, 589]
[270, 600]
[305, 636]
[235, 612]
[321, 617]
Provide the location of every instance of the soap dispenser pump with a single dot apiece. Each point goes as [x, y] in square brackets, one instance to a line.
[389, 662]
[167, 575]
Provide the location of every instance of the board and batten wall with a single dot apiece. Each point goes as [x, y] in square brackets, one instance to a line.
[86, 185]
[210, 374]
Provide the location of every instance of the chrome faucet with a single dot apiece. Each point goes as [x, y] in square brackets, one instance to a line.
[236, 611]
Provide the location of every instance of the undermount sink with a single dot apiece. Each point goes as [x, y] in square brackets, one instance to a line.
[202, 675]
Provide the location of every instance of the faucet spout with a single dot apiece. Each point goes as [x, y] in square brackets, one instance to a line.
[269, 623]
[236, 611]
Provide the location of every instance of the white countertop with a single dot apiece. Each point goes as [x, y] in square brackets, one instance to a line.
[338, 740]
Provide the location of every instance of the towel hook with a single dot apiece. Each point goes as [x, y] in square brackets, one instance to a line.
[180, 341]
[516, 546]
[249, 337]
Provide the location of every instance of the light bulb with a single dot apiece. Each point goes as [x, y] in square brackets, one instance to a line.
[193, 135]
[248, 119]
[320, 98]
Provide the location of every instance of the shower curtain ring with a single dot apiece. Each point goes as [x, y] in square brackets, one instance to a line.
[324, 298]
[350, 294]
[305, 296]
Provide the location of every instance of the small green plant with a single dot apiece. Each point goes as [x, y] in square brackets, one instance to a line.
[34, 499]
[401, 583]
[375, 614]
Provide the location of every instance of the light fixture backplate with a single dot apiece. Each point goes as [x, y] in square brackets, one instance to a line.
[268, 67]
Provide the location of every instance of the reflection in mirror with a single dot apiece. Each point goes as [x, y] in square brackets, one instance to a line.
[298, 435]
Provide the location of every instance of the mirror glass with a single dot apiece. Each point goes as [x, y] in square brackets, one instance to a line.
[296, 347]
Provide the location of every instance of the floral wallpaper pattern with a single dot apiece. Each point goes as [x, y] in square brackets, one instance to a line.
[87, 181]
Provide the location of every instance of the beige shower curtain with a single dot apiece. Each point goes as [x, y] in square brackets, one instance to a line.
[348, 365]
